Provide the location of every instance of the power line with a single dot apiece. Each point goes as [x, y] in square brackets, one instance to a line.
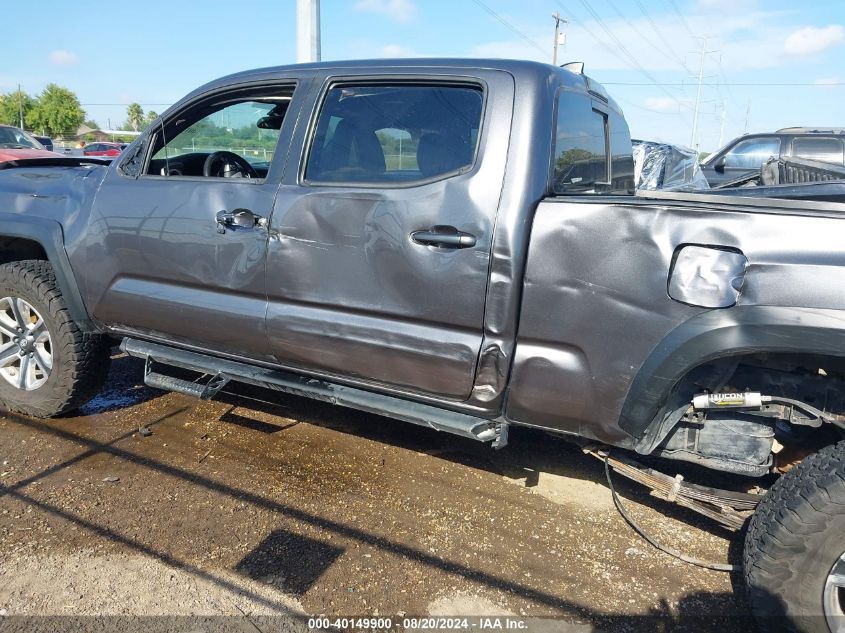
[511, 27]
[645, 108]
[682, 18]
[627, 53]
[589, 32]
[643, 35]
[663, 39]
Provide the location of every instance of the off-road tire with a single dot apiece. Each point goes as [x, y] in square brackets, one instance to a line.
[794, 538]
[80, 359]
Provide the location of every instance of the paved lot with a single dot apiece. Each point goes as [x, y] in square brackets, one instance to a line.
[237, 508]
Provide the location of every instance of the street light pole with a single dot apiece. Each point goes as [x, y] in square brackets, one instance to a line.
[307, 31]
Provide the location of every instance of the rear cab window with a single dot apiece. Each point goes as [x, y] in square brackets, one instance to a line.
[592, 148]
[393, 134]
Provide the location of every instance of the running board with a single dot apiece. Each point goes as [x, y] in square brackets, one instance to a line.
[223, 371]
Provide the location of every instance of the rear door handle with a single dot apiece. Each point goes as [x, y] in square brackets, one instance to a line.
[443, 237]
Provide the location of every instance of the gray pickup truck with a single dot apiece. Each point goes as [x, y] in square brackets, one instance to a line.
[453, 243]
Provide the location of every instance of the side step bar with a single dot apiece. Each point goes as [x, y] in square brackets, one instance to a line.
[222, 371]
[169, 383]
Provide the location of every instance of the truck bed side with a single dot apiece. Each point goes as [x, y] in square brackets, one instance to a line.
[601, 342]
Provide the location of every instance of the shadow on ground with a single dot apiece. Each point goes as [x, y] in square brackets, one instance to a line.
[294, 562]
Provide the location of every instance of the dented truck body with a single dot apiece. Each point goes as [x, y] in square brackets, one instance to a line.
[484, 296]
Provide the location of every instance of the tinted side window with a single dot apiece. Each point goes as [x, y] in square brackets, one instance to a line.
[827, 150]
[394, 134]
[751, 154]
[580, 155]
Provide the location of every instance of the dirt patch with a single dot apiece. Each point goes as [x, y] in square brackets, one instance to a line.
[237, 504]
[582, 493]
[466, 604]
[90, 583]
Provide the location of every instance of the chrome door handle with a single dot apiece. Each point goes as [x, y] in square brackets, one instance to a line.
[239, 218]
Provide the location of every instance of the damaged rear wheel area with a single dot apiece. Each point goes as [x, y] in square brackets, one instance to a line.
[777, 414]
[794, 555]
[756, 414]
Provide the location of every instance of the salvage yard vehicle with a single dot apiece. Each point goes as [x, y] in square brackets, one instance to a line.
[744, 155]
[16, 143]
[422, 244]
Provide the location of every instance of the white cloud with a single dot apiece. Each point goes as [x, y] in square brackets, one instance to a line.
[810, 40]
[399, 10]
[396, 50]
[828, 81]
[61, 57]
[662, 104]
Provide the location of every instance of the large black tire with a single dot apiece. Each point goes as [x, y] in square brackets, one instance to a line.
[794, 539]
[80, 360]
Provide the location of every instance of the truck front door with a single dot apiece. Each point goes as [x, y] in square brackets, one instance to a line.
[380, 243]
[177, 249]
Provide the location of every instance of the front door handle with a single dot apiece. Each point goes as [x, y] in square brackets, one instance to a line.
[443, 237]
[239, 218]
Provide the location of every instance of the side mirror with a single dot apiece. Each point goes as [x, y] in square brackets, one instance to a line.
[719, 165]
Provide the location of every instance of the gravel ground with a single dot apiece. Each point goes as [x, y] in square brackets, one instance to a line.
[254, 516]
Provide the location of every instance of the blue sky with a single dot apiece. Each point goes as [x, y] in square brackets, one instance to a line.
[643, 50]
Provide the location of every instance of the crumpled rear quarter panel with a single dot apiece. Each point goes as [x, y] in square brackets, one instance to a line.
[595, 302]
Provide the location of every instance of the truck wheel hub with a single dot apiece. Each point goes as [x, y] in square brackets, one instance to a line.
[26, 350]
[834, 595]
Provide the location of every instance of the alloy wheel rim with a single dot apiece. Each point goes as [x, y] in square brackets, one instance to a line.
[834, 596]
[26, 348]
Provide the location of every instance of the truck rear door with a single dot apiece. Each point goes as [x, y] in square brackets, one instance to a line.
[380, 241]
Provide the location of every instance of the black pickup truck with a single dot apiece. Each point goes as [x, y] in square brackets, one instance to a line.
[453, 243]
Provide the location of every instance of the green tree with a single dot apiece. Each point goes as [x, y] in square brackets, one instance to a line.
[151, 116]
[135, 115]
[11, 105]
[56, 112]
[92, 124]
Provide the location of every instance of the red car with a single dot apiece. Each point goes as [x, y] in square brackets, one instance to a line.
[16, 143]
[102, 149]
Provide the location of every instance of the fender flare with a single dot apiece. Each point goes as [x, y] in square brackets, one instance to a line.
[49, 234]
[721, 334]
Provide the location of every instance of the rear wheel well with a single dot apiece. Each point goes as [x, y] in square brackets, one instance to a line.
[719, 438]
[816, 379]
[15, 249]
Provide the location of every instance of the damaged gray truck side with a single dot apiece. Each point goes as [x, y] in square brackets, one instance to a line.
[451, 243]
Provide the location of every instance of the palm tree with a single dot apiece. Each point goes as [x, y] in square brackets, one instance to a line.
[135, 115]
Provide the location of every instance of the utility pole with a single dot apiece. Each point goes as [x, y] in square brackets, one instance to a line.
[20, 105]
[722, 126]
[307, 31]
[703, 54]
[558, 20]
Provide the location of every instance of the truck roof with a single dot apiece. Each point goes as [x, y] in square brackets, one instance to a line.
[522, 70]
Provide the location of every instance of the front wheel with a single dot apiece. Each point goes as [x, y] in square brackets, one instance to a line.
[48, 365]
[795, 548]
